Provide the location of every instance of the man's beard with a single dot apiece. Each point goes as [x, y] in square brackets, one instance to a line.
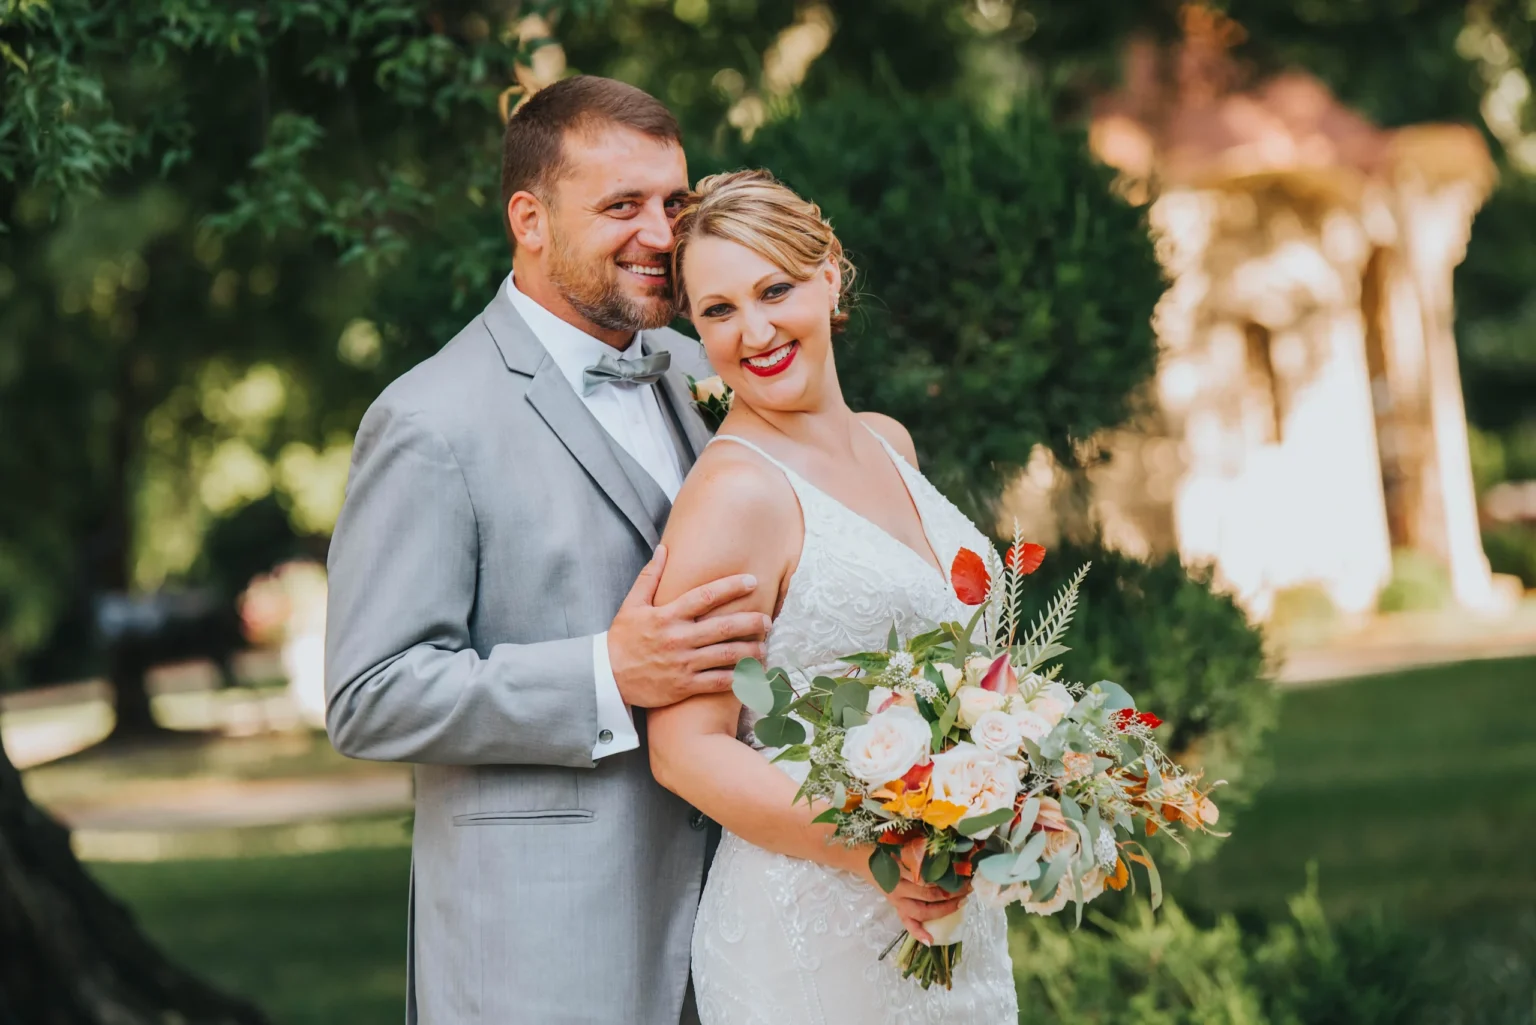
[599, 297]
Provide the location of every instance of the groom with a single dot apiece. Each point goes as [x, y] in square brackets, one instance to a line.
[492, 576]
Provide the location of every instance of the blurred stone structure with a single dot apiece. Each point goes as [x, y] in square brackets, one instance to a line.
[1307, 415]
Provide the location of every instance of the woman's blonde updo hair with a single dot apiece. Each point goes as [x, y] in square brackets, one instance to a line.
[756, 210]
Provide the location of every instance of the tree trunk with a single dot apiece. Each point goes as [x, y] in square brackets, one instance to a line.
[70, 954]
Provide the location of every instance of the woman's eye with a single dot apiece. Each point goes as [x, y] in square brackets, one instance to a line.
[717, 310]
[777, 291]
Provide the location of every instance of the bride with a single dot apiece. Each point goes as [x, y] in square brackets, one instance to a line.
[825, 507]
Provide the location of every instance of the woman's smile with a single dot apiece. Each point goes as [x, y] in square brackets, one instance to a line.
[771, 363]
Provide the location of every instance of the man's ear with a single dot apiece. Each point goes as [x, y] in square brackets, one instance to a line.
[528, 220]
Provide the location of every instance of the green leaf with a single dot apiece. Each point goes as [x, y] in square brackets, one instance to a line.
[828, 816]
[1054, 872]
[750, 685]
[932, 675]
[850, 694]
[1115, 696]
[946, 722]
[884, 867]
[934, 866]
[779, 730]
[974, 824]
[950, 882]
[793, 753]
[893, 642]
[854, 717]
[1027, 815]
[1070, 809]
[783, 691]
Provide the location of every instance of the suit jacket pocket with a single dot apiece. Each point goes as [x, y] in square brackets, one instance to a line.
[544, 817]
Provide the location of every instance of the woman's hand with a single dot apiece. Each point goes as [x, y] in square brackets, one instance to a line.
[915, 902]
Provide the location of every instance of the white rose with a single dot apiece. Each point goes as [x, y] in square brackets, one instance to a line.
[1032, 725]
[878, 696]
[997, 731]
[952, 676]
[978, 780]
[709, 388]
[975, 702]
[888, 746]
[1051, 702]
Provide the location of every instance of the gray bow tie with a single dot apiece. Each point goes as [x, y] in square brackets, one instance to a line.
[608, 370]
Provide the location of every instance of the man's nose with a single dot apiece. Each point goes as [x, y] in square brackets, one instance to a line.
[655, 230]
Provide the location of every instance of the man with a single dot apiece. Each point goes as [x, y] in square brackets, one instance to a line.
[486, 621]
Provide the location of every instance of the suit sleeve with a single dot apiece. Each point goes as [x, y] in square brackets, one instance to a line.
[402, 681]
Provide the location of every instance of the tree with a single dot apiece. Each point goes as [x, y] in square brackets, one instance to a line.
[162, 191]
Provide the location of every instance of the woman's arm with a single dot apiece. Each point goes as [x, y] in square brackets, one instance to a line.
[737, 515]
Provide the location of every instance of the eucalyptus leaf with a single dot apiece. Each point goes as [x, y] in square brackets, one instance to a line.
[783, 692]
[1054, 872]
[1027, 816]
[883, 866]
[854, 717]
[1115, 696]
[793, 753]
[850, 694]
[974, 824]
[934, 866]
[1070, 809]
[996, 869]
[750, 684]
[1033, 848]
[779, 730]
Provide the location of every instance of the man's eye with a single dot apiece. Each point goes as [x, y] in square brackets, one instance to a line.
[674, 205]
[718, 310]
[622, 208]
[777, 291]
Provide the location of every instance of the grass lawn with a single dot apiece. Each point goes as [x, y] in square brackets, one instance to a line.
[1414, 792]
[315, 939]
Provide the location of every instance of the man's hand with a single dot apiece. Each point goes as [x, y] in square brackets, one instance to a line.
[662, 654]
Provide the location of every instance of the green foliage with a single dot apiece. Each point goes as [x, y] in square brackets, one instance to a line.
[1182, 650]
[1164, 969]
[1511, 548]
[1419, 584]
[1005, 291]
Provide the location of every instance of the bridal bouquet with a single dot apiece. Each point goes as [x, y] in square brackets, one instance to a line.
[962, 758]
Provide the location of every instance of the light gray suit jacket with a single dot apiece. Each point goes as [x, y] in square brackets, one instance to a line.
[491, 528]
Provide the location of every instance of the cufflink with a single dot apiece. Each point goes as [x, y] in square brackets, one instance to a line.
[605, 737]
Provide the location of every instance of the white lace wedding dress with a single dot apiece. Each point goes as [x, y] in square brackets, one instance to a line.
[780, 941]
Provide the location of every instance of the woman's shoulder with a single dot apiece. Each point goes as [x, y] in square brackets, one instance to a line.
[892, 431]
[730, 480]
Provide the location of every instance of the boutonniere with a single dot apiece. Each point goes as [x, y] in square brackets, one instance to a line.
[712, 399]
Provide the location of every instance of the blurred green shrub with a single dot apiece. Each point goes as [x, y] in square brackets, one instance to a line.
[1302, 615]
[1511, 548]
[1419, 584]
[1163, 969]
[1006, 291]
[1183, 650]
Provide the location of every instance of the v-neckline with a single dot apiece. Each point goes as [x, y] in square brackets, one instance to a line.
[936, 566]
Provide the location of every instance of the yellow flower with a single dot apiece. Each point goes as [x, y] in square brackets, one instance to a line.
[943, 814]
[898, 800]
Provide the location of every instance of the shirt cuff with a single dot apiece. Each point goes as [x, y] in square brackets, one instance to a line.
[615, 727]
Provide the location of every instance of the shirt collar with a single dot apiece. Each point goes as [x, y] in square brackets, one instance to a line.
[572, 349]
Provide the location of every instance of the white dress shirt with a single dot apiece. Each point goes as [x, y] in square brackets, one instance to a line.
[632, 416]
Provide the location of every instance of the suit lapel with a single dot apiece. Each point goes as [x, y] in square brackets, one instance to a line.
[681, 400]
[551, 396]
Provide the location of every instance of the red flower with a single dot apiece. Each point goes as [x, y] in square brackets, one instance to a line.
[1025, 559]
[1122, 718]
[1000, 677]
[918, 775]
[970, 577]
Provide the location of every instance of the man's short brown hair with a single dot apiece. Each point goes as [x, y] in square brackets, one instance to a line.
[532, 151]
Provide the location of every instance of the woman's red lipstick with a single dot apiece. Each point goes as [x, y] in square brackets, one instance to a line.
[777, 368]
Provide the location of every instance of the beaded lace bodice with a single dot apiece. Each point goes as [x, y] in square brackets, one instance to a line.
[782, 940]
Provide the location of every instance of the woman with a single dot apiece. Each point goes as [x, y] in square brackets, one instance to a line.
[825, 508]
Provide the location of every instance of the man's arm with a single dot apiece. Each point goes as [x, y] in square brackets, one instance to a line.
[403, 682]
